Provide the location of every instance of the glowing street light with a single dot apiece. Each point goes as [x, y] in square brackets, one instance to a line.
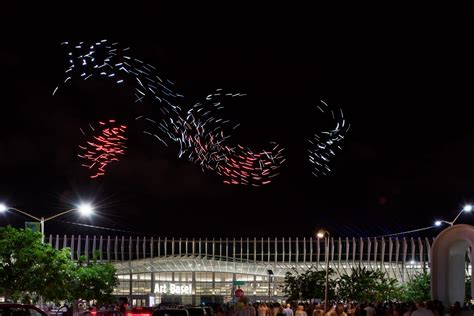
[321, 234]
[85, 209]
[467, 208]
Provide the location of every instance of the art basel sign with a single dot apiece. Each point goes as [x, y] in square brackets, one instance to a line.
[172, 288]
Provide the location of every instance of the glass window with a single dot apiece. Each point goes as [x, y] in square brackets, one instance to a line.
[183, 276]
[164, 276]
[203, 276]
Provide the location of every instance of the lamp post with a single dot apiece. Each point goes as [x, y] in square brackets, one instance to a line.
[321, 234]
[467, 208]
[84, 209]
[270, 273]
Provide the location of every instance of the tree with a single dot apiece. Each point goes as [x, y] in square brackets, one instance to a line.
[307, 285]
[467, 287]
[29, 267]
[417, 289]
[93, 281]
[367, 285]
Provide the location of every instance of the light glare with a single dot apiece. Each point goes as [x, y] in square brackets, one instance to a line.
[85, 209]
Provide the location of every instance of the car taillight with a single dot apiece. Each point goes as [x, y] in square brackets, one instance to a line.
[93, 313]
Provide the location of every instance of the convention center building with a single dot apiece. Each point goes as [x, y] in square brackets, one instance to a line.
[203, 271]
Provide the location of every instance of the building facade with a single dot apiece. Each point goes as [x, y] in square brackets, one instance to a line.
[195, 271]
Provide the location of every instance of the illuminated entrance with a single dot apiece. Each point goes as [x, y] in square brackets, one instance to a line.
[448, 270]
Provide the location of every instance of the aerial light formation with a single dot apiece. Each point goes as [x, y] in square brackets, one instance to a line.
[103, 145]
[200, 134]
[326, 142]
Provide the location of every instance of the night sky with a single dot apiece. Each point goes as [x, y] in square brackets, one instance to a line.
[402, 75]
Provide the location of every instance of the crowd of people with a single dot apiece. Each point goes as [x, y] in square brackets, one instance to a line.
[430, 308]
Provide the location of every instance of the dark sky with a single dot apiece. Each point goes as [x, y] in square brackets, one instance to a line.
[403, 76]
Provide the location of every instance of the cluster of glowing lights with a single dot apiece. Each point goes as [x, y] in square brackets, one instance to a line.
[104, 146]
[325, 143]
[200, 133]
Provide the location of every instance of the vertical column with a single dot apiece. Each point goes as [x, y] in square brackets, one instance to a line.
[199, 247]
[144, 247]
[78, 247]
[422, 258]
[130, 249]
[311, 249]
[233, 249]
[72, 247]
[220, 248]
[390, 251]
[339, 252]
[122, 248]
[304, 249]
[159, 247]
[166, 246]
[428, 250]
[276, 250]
[94, 246]
[138, 248]
[289, 249]
[318, 252]
[213, 248]
[186, 247]
[152, 255]
[179, 247]
[248, 249]
[404, 258]
[369, 254]
[382, 259]
[241, 249]
[283, 249]
[397, 256]
[101, 247]
[172, 247]
[205, 248]
[354, 246]
[376, 249]
[57, 242]
[227, 247]
[65, 241]
[269, 249]
[348, 251]
[86, 248]
[297, 250]
[332, 250]
[116, 249]
[254, 249]
[194, 247]
[262, 247]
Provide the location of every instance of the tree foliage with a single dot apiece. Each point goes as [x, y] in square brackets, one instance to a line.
[417, 289]
[308, 285]
[367, 285]
[94, 281]
[30, 268]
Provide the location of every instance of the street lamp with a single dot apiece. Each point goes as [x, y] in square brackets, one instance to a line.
[84, 209]
[270, 273]
[467, 208]
[321, 234]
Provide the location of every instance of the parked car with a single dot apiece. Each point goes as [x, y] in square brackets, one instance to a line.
[7, 309]
[139, 311]
[170, 312]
